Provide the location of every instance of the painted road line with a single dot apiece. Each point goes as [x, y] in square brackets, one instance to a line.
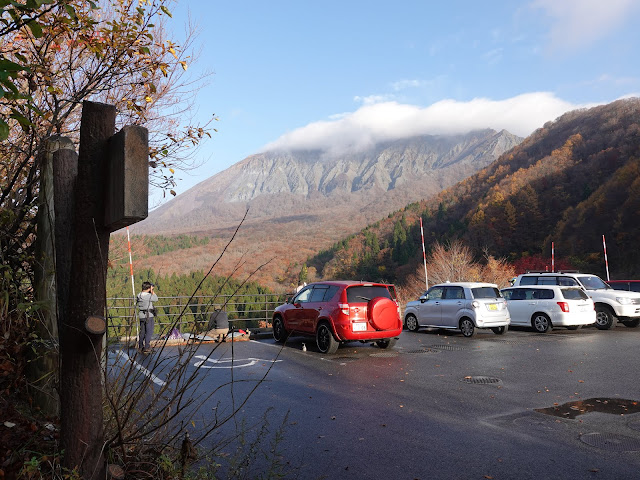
[228, 363]
[146, 372]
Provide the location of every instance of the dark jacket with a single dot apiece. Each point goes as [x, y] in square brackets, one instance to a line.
[218, 320]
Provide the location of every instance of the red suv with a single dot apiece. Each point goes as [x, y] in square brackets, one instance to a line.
[341, 311]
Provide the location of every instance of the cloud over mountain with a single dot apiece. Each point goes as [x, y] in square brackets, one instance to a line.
[385, 121]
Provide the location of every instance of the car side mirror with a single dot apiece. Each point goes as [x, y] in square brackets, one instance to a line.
[424, 298]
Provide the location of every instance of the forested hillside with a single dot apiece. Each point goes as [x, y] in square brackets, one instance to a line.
[571, 182]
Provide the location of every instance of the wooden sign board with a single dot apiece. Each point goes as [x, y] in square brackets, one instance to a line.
[127, 192]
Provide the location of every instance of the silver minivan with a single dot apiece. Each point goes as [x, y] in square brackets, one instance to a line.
[543, 307]
[464, 306]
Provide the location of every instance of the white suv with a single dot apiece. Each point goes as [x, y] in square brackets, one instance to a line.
[463, 306]
[611, 305]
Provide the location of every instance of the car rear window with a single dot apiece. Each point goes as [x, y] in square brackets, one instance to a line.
[364, 293]
[485, 292]
[318, 293]
[574, 294]
[529, 280]
[543, 294]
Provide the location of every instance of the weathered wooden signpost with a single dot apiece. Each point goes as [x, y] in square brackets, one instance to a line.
[109, 192]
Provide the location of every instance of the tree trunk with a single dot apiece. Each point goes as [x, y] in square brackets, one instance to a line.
[81, 351]
[58, 171]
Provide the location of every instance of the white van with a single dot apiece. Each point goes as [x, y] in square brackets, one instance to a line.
[611, 305]
[546, 306]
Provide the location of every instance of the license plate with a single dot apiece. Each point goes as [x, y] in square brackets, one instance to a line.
[492, 306]
[359, 327]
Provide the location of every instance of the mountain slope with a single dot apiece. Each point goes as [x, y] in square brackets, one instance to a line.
[569, 183]
[280, 185]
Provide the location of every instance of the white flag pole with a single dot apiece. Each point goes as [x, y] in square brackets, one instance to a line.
[424, 256]
[606, 262]
[133, 287]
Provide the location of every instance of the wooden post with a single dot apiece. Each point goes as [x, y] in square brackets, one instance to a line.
[82, 433]
[58, 171]
[127, 195]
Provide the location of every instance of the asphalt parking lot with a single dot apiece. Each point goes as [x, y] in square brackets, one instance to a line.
[561, 405]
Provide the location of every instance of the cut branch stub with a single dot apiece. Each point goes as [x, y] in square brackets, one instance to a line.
[95, 325]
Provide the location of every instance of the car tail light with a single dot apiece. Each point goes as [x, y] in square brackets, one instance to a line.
[564, 306]
[344, 307]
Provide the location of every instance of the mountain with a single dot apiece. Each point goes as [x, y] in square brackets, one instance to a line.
[570, 182]
[298, 203]
[313, 185]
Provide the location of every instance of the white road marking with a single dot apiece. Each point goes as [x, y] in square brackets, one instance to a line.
[229, 362]
[155, 379]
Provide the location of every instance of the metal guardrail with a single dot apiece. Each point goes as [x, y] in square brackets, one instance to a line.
[191, 314]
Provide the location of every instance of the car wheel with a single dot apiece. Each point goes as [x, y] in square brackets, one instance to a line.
[325, 339]
[541, 323]
[467, 327]
[604, 318]
[411, 322]
[631, 323]
[386, 342]
[279, 332]
[499, 330]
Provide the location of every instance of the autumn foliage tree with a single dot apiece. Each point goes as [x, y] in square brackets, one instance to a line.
[112, 51]
[456, 262]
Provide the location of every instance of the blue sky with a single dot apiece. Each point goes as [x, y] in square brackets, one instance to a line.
[345, 74]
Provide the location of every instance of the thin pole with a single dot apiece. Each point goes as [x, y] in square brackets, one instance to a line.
[553, 258]
[424, 256]
[606, 262]
[133, 287]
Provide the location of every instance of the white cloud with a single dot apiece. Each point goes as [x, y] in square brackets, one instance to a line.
[578, 23]
[373, 123]
[404, 84]
[372, 99]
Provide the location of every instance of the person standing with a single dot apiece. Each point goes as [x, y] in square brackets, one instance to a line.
[218, 325]
[146, 313]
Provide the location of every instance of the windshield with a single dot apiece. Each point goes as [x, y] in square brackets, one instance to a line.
[592, 282]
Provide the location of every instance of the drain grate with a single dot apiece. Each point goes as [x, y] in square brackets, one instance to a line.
[611, 442]
[345, 359]
[384, 354]
[480, 380]
[453, 348]
[422, 350]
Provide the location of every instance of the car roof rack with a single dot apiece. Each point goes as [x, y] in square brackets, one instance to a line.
[557, 271]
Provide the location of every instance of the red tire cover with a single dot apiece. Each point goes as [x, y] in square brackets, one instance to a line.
[382, 313]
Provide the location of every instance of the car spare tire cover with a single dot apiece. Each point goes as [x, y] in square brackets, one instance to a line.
[382, 313]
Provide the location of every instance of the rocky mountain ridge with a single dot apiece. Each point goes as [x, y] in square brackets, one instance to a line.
[281, 186]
